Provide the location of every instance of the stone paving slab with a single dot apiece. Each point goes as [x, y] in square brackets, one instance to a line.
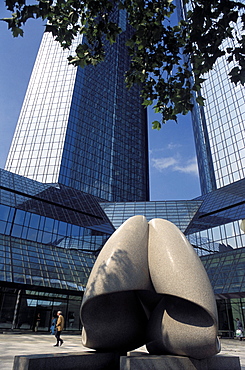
[29, 344]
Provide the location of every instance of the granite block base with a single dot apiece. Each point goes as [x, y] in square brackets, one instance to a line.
[69, 361]
[113, 361]
[134, 361]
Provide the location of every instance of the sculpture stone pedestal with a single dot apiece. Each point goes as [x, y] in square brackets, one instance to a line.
[69, 361]
[113, 361]
[139, 361]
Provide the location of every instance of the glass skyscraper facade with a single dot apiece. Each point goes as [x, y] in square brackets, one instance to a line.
[82, 127]
[224, 118]
[219, 126]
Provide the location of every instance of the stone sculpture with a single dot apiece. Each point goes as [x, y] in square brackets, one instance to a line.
[148, 286]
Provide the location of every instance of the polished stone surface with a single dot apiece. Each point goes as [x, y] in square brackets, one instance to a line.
[185, 321]
[175, 268]
[148, 286]
[112, 314]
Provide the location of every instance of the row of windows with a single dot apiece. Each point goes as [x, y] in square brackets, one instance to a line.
[212, 240]
[68, 268]
[19, 183]
[223, 111]
[46, 230]
[223, 181]
[177, 212]
[46, 282]
[24, 250]
[226, 272]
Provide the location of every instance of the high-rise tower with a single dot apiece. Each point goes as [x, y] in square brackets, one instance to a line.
[82, 127]
[224, 123]
[219, 127]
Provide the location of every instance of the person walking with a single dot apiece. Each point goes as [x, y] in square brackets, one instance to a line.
[59, 328]
[53, 325]
[38, 319]
[239, 327]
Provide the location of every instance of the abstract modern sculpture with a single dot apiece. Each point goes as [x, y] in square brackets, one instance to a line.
[148, 286]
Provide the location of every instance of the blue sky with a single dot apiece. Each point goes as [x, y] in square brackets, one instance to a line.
[172, 158]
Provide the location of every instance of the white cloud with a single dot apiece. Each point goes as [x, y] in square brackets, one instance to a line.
[190, 167]
[162, 163]
[166, 148]
[173, 146]
[177, 164]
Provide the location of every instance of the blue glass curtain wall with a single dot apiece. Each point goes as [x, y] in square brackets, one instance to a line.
[179, 212]
[37, 264]
[49, 235]
[30, 226]
[226, 273]
[106, 147]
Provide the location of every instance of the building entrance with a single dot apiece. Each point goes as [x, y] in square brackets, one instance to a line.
[32, 310]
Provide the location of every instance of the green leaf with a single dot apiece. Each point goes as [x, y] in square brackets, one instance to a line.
[16, 31]
[147, 102]
[156, 125]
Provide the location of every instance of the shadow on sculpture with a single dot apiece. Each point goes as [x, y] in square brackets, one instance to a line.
[148, 287]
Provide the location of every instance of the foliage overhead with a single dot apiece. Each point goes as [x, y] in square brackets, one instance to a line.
[169, 58]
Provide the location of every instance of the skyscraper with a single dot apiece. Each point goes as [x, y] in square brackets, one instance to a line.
[82, 127]
[219, 132]
[225, 123]
[219, 126]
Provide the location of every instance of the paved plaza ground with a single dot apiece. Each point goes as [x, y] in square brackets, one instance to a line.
[37, 343]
